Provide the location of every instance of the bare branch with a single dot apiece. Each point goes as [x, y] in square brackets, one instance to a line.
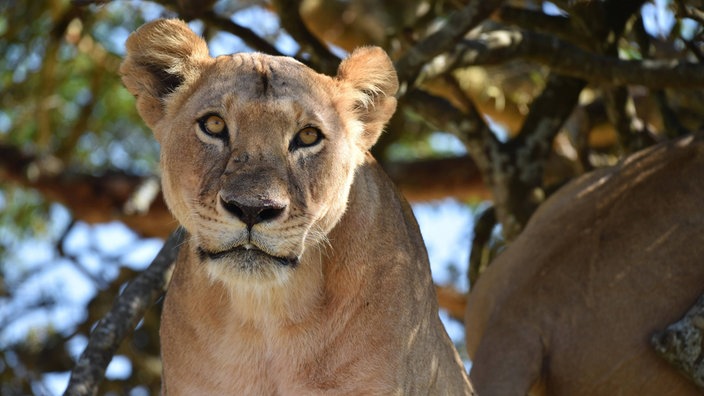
[548, 113]
[248, 36]
[686, 11]
[467, 125]
[290, 17]
[49, 73]
[126, 312]
[425, 180]
[483, 226]
[564, 58]
[452, 301]
[456, 26]
[534, 20]
[91, 198]
[206, 14]
[689, 11]
[69, 143]
[673, 127]
[519, 166]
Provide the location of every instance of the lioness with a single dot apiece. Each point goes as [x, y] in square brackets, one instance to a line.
[304, 271]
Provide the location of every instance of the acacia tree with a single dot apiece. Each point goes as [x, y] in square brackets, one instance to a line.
[536, 92]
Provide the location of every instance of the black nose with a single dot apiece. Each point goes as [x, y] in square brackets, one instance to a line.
[254, 214]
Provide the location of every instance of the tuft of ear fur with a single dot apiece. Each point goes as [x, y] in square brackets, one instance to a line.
[372, 77]
[162, 55]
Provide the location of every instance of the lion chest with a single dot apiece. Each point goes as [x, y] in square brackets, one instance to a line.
[208, 348]
[204, 357]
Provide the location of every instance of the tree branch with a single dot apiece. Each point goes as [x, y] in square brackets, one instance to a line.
[91, 198]
[498, 47]
[537, 21]
[467, 125]
[519, 165]
[209, 17]
[548, 113]
[452, 301]
[126, 312]
[431, 179]
[320, 56]
[456, 26]
[483, 227]
[248, 36]
[69, 143]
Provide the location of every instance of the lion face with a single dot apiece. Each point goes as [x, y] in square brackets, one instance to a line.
[258, 152]
[252, 166]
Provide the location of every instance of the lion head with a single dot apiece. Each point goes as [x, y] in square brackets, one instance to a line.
[258, 152]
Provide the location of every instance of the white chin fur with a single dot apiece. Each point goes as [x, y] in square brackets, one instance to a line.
[234, 275]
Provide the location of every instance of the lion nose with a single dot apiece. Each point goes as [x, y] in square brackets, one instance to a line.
[253, 214]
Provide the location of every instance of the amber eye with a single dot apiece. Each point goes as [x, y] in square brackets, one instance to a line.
[213, 125]
[306, 137]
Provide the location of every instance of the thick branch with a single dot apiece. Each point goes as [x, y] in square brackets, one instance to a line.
[452, 301]
[478, 261]
[548, 113]
[519, 166]
[456, 26]
[426, 180]
[467, 125]
[91, 198]
[564, 58]
[248, 36]
[290, 17]
[538, 21]
[128, 309]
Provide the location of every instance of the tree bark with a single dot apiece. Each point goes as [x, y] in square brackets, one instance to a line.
[126, 312]
[682, 343]
[501, 46]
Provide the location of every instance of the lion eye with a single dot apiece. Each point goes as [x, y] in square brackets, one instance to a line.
[212, 125]
[306, 137]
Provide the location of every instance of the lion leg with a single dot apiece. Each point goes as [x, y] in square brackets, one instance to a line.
[508, 363]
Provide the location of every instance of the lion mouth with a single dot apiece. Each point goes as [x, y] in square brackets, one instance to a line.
[247, 254]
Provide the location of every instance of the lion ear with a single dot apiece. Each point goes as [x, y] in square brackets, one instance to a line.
[161, 56]
[372, 77]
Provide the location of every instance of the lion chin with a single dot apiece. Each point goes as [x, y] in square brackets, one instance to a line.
[246, 261]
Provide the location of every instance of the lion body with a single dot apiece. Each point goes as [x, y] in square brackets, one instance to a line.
[304, 271]
[613, 257]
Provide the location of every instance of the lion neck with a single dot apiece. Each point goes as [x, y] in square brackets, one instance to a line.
[371, 283]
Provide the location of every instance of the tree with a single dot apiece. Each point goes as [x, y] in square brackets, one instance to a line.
[536, 92]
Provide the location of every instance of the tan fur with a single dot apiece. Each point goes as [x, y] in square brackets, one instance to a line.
[354, 311]
[570, 306]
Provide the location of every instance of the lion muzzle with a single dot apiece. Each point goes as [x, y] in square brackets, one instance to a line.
[253, 211]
